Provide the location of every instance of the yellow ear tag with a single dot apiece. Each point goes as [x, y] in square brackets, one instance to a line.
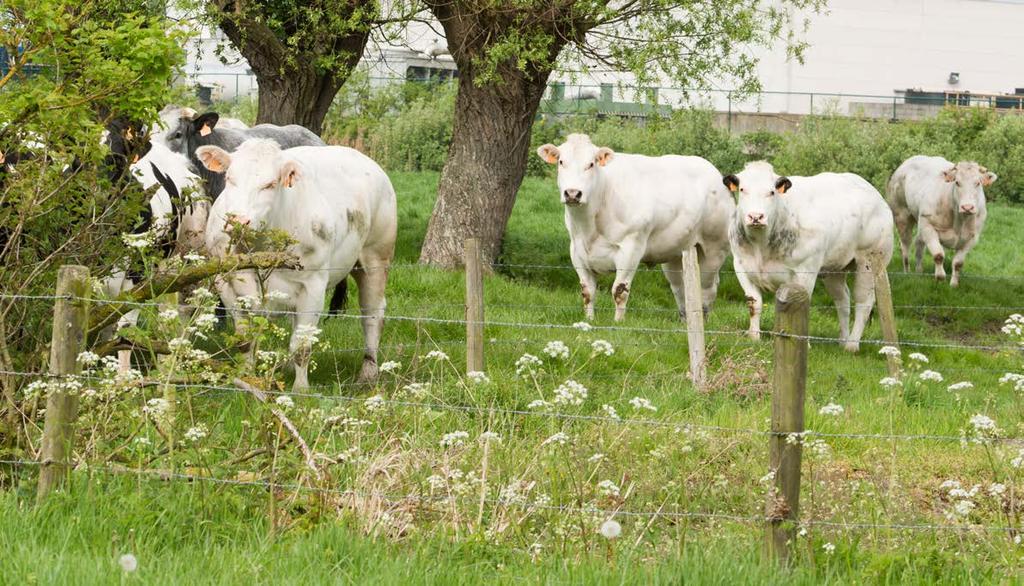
[2, 157]
[205, 130]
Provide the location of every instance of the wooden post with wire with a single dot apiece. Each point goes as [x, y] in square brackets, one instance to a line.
[886, 312]
[70, 319]
[474, 306]
[694, 318]
[792, 312]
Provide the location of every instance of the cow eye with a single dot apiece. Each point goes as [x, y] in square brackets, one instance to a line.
[561, 163]
[270, 185]
[177, 134]
[958, 184]
[590, 166]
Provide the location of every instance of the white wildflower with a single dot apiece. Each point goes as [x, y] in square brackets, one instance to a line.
[179, 344]
[490, 436]
[194, 434]
[963, 508]
[611, 529]
[570, 393]
[284, 402]
[960, 386]
[538, 404]
[831, 409]
[596, 458]
[128, 562]
[527, 364]
[535, 549]
[890, 382]
[374, 403]
[143, 442]
[642, 403]
[583, 326]
[139, 241]
[205, 321]
[889, 351]
[996, 489]
[477, 377]
[247, 302]
[201, 295]
[88, 358]
[829, 548]
[983, 424]
[559, 438]
[307, 335]
[417, 390]
[1012, 378]
[453, 439]
[557, 349]
[168, 315]
[767, 478]
[918, 357]
[436, 355]
[276, 295]
[1018, 461]
[608, 488]
[157, 408]
[194, 256]
[390, 366]
[930, 375]
[602, 347]
[436, 482]
[610, 412]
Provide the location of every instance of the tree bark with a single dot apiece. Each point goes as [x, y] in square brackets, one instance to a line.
[300, 98]
[485, 167]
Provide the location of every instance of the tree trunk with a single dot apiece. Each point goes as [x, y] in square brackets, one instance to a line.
[300, 98]
[485, 166]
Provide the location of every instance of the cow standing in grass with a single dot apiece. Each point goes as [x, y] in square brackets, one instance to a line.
[946, 203]
[790, 229]
[340, 208]
[623, 209]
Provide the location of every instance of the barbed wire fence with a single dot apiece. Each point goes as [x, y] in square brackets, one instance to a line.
[785, 437]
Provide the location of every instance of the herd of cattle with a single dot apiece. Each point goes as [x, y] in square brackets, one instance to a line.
[621, 210]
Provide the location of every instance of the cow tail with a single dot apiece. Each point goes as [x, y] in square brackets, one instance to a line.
[339, 301]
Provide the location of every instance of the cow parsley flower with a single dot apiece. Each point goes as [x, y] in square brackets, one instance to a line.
[477, 377]
[1013, 378]
[284, 402]
[829, 548]
[87, 358]
[559, 438]
[374, 403]
[194, 434]
[390, 366]
[557, 349]
[918, 357]
[179, 344]
[642, 403]
[583, 326]
[610, 529]
[596, 458]
[960, 386]
[890, 382]
[417, 390]
[436, 355]
[139, 241]
[930, 375]
[608, 488]
[157, 408]
[831, 409]
[453, 439]
[996, 489]
[570, 393]
[201, 295]
[610, 412]
[602, 347]
[528, 364]
[1014, 325]
[194, 257]
[538, 404]
[490, 436]
[276, 295]
[889, 351]
[307, 335]
[168, 315]
[983, 424]
[205, 321]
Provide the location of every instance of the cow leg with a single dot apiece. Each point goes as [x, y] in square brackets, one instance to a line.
[835, 284]
[588, 290]
[626, 262]
[674, 273]
[905, 226]
[864, 301]
[308, 306]
[754, 299]
[372, 302]
[959, 258]
[710, 266]
[930, 237]
[918, 252]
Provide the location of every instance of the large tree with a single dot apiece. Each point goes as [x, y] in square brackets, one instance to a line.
[507, 49]
[301, 51]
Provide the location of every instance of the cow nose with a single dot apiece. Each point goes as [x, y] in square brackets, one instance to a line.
[573, 195]
[967, 208]
[754, 218]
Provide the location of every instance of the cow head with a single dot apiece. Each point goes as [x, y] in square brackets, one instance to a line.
[969, 181]
[758, 193]
[579, 167]
[257, 179]
[191, 130]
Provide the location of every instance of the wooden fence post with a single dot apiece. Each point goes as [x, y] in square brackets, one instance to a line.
[474, 307]
[694, 318]
[70, 320]
[792, 308]
[886, 312]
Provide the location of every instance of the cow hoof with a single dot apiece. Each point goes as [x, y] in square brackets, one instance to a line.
[755, 336]
[368, 373]
[853, 347]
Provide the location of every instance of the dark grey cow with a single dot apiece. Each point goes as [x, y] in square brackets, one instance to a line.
[194, 132]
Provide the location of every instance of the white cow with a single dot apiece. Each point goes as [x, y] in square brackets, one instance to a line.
[337, 204]
[790, 229]
[623, 209]
[947, 204]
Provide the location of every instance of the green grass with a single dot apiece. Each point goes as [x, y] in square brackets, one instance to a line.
[202, 532]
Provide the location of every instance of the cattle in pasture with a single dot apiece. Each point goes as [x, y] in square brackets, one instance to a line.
[624, 209]
[339, 207]
[945, 202]
[193, 131]
[788, 230]
[177, 208]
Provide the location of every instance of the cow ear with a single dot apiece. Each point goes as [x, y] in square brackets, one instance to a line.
[949, 175]
[214, 158]
[731, 182]
[289, 174]
[549, 153]
[604, 154]
[988, 177]
[782, 184]
[205, 124]
[188, 113]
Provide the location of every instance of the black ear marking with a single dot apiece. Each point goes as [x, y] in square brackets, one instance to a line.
[731, 182]
[207, 120]
[782, 184]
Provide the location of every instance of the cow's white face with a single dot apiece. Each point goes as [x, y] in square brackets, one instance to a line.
[969, 181]
[257, 178]
[758, 191]
[579, 164]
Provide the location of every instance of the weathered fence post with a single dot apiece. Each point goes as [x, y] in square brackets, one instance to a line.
[886, 312]
[474, 307]
[694, 318]
[792, 308]
[69, 324]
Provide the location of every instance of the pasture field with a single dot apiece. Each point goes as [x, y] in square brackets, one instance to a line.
[520, 494]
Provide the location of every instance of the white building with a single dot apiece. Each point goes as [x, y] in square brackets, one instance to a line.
[862, 52]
